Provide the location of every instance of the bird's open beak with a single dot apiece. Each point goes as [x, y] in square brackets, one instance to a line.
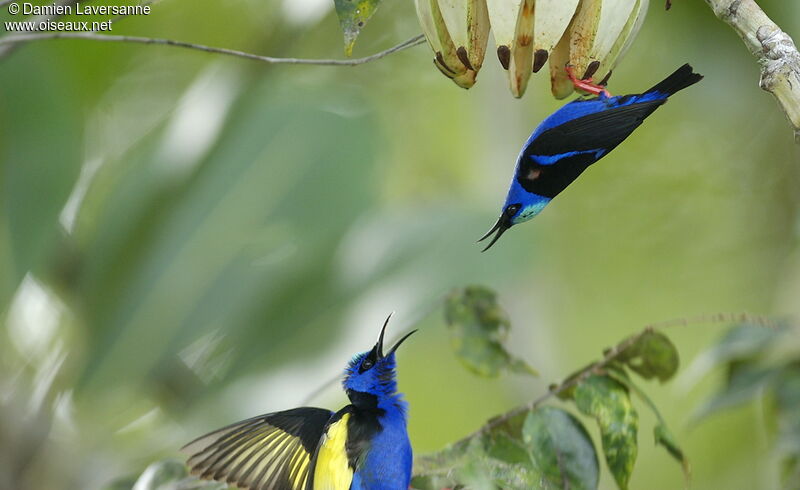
[378, 349]
[503, 223]
[397, 344]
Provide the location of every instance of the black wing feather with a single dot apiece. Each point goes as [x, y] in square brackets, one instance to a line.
[682, 77]
[271, 451]
[550, 180]
[601, 130]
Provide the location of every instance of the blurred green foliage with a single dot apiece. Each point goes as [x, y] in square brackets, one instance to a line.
[478, 330]
[762, 364]
[188, 240]
[535, 446]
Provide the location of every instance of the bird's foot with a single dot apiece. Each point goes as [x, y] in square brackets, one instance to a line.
[586, 84]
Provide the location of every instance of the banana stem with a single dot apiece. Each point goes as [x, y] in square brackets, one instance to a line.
[774, 49]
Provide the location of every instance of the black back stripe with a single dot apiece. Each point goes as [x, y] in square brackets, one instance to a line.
[604, 129]
[551, 179]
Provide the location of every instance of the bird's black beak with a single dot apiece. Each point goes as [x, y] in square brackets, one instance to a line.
[378, 349]
[503, 223]
[397, 344]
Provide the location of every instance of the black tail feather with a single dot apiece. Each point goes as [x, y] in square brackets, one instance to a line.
[682, 78]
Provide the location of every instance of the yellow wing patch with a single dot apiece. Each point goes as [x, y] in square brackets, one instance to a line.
[332, 472]
[265, 452]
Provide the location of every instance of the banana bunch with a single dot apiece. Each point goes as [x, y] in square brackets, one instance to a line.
[590, 35]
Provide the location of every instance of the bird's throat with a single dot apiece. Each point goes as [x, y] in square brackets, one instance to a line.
[363, 400]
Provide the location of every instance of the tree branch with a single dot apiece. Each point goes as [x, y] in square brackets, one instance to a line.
[611, 355]
[92, 36]
[775, 50]
[8, 49]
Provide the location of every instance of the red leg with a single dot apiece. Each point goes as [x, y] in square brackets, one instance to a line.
[586, 85]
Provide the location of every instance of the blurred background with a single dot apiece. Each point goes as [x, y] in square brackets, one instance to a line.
[188, 239]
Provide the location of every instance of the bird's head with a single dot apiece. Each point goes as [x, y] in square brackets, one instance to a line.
[514, 212]
[520, 206]
[373, 372]
[504, 222]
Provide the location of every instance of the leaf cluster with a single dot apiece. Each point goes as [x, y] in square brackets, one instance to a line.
[544, 446]
[760, 364]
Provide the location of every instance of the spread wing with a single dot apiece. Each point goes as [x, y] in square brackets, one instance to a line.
[333, 468]
[602, 130]
[268, 452]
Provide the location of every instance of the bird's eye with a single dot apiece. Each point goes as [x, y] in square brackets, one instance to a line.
[512, 209]
[367, 364]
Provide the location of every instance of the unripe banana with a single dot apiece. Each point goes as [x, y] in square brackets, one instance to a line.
[598, 35]
[590, 35]
[468, 24]
[445, 52]
[560, 84]
[551, 21]
[624, 40]
[503, 19]
[519, 69]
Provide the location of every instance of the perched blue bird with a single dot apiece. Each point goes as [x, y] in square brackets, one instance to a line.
[574, 137]
[362, 446]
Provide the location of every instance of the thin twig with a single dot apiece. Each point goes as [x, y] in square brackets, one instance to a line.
[124, 16]
[774, 49]
[7, 50]
[91, 36]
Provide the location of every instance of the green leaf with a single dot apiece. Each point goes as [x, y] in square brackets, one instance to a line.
[498, 461]
[353, 15]
[561, 449]
[740, 343]
[41, 154]
[787, 401]
[661, 432]
[219, 259]
[663, 437]
[652, 356]
[746, 383]
[478, 328]
[496, 458]
[608, 402]
[503, 460]
[437, 470]
[744, 341]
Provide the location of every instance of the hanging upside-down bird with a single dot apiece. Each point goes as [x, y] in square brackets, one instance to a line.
[574, 137]
[362, 446]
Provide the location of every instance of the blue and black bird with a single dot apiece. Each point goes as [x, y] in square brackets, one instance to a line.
[363, 446]
[574, 137]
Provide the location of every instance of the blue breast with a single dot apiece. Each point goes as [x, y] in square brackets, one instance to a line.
[387, 465]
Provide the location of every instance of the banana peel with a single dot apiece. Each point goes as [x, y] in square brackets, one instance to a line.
[590, 35]
[445, 51]
[467, 22]
[520, 67]
[624, 40]
[550, 23]
[503, 20]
